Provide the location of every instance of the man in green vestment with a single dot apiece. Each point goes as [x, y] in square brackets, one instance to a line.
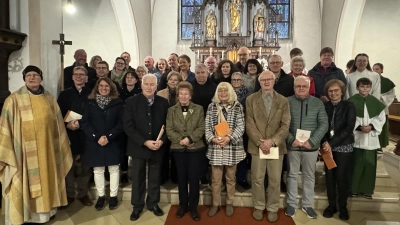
[35, 155]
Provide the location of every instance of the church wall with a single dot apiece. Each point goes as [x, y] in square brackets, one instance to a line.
[378, 36]
[330, 22]
[96, 30]
[142, 12]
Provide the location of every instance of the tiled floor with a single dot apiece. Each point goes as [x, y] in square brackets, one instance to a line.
[78, 214]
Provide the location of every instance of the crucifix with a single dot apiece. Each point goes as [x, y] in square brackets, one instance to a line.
[62, 42]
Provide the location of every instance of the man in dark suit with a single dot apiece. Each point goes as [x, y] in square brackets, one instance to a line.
[80, 57]
[145, 114]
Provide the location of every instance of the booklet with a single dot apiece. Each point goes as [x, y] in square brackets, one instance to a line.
[273, 153]
[71, 115]
[303, 135]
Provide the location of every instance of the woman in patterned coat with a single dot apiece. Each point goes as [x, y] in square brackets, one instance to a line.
[224, 152]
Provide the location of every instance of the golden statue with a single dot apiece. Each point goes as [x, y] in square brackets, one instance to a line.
[258, 24]
[211, 23]
[234, 9]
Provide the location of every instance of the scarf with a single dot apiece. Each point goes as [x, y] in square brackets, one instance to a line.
[102, 101]
[242, 92]
[386, 85]
[374, 106]
[117, 77]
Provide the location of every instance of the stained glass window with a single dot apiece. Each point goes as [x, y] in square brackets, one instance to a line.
[282, 8]
[188, 11]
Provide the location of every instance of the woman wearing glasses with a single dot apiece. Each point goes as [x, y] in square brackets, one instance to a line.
[119, 70]
[237, 84]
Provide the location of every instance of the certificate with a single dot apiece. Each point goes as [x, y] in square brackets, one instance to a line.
[303, 135]
[273, 153]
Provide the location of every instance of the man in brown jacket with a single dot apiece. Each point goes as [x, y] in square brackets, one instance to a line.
[267, 125]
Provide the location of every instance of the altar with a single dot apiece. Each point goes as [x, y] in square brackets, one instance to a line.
[227, 25]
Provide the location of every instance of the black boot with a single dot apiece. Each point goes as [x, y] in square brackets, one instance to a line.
[101, 203]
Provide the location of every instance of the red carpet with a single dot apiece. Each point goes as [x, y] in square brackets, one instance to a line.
[241, 216]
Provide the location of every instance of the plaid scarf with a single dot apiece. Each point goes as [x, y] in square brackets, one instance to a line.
[102, 101]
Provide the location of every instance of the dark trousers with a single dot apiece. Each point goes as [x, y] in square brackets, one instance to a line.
[82, 180]
[139, 182]
[188, 167]
[337, 179]
[124, 158]
[244, 165]
[168, 167]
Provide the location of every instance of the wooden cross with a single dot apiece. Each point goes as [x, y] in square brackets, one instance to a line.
[62, 42]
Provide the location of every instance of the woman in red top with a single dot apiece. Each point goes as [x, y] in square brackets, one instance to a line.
[297, 65]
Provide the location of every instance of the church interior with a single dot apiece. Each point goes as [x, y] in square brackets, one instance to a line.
[30, 35]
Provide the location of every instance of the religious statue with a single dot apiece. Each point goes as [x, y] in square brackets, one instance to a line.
[258, 24]
[234, 9]
[211, 23]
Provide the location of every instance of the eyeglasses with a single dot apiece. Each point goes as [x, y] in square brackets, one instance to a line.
[222, 90]
[301, 86]
[236, 80]
[274, 63]
[334, 91]
[101, 68]
[268, 79]
[119, 63]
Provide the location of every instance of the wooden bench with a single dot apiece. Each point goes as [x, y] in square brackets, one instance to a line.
[394, 124]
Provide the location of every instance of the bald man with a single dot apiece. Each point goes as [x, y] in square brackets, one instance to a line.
[243, 54]
[149, 64]
[80, 57]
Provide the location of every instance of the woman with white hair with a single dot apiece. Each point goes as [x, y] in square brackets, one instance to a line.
[225, 151]
[297, 65]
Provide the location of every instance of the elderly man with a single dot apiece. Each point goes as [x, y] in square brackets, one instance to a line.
[74, 99]
[127, 58]
[149, 64]
[173, 64]
[308, 114]
[283, 82]
[35, 154]
[325, 71]
[203, 92]
[267, 125]
[211, 64]
[243, 54]
[144, 117]
[80, 57]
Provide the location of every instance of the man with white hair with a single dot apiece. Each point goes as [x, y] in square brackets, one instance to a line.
[307, 114]
[145, 115]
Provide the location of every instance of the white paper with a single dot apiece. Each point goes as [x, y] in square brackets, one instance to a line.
[303, 135]
[273, 153]
[72, 116]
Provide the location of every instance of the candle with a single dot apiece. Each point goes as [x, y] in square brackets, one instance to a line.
[222, 54]
[260, 51]
[198, 54]
[210, 51]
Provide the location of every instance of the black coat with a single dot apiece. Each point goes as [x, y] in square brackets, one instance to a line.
[203, 94]
[97, 122]
[163, 80]
[320, 80]
[143, 122]
[68, 71]
[284, 86]
[344, 122]
[72, 99]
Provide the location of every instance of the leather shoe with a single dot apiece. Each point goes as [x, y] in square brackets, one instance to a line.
[181, 212]
[135, 215]
[195, 215]
[344, 214]
[329, 211]
[157, 211]
[86, 201]
[272, 217]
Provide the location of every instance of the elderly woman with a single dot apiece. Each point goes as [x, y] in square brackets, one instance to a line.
[338, 141]
[33, 139]
[169, 93]
[251, 70]
[224, 152]
[185, 130]
[224, 72]
[297, 66]
[161, 66]
[119, 70]
[94, 60]
[237, 84]
[103, 126]
[141, 71]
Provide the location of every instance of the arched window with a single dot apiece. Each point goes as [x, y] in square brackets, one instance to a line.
[282, 8]
[188, 10]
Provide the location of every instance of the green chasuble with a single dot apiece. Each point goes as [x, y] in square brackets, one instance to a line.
[386, 85]
[374, 106]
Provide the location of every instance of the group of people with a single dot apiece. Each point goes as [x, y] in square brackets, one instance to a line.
[173, 123]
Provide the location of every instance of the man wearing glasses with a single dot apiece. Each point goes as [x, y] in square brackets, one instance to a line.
[267, 125]
[243, 54]
[283, 82]
[211, 63]
[102, 70]
[307, 115]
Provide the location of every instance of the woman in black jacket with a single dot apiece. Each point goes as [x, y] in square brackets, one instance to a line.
[103, 127]
[338, 141]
